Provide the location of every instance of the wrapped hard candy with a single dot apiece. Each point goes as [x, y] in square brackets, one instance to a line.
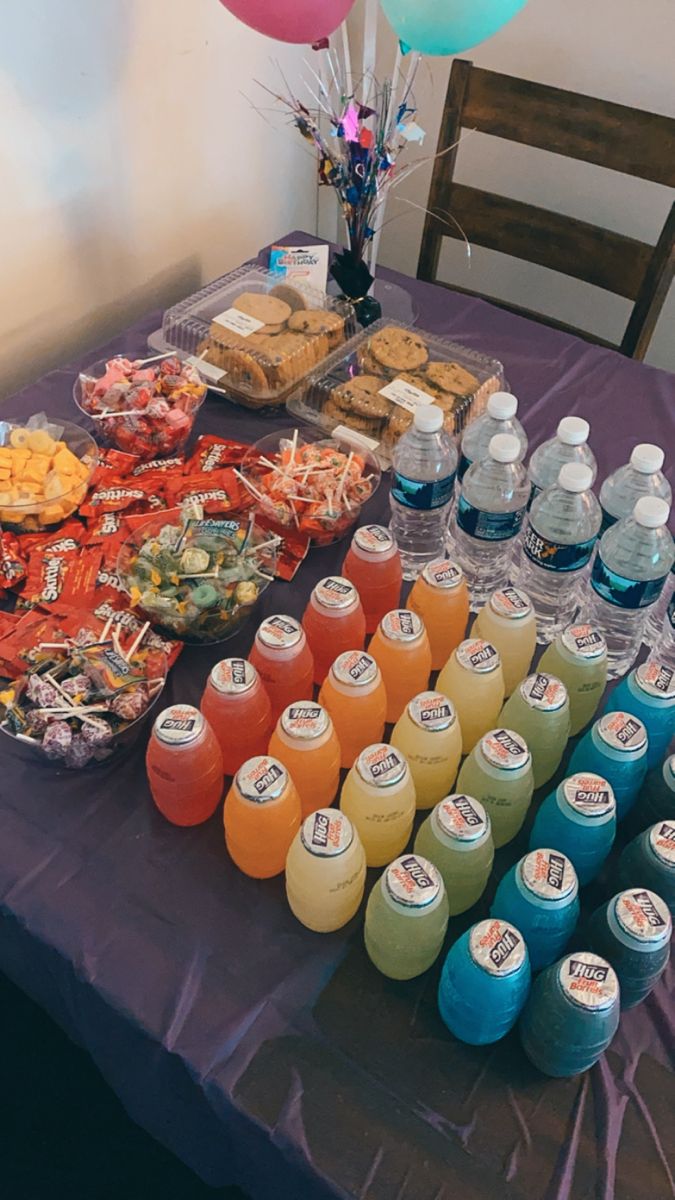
[194, 561]
[43, 693]
[57, 739]
[79, 752]
[129, 704]
[96, 731]
[77, 685]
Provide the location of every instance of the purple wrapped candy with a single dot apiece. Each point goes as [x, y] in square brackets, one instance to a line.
[36, 723]
[57, 739]
[77, 685]
[78, 753]
[42, 693]
[96, 731]
[130, 703]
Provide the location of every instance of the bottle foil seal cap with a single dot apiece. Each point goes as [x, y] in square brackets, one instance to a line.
[497, 946]
[462, 818]
[511, 603]
[504, 748]
[261, 779]
[643, 915]
[584, 641]
[622, 731]
[543, 692]
[179, 724]
[232, 676]
[662, 842]
[656, 679]
[402, 625]
[549, 875]
[432, 711]
[413, 881]
[374, 539]
[474, 654]
[327, 833]
[354, 668]
[335, 592]
[589, 794]
[279, 631]
[381, 765]
[304, 721]
[588, 981]
[443, 573]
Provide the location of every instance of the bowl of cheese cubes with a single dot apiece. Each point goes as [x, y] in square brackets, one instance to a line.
[45, 468]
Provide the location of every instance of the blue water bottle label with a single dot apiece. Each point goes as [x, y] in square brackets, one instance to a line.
[414, 493]
[534, 492]
[463, 466]
[622, 592]
[556, 556]
[488, 526]
[607, 520]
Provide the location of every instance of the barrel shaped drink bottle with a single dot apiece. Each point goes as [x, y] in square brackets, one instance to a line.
[457, 838]
[540, 895]
[333, 621]
[539, 710]
[484, 982]
[401, 649]
[378, 796]
[616, 748]
[571, 1015]
[283, 660]
[473, 679]
[238, 710]
[633, 933]
[427, 733]
[578, 657]
[406, 918]
[354, 695]
[507, 621]
[325, 871]
[498, 772]
[304, 741]
[440, 596]
[373, 564]
[579, 819]
[184, 765]
[657, 798]
[262, 816]
[648, 692]
[649, 862]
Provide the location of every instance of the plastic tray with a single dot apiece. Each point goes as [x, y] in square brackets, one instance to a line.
[256, 357]
[323, 401]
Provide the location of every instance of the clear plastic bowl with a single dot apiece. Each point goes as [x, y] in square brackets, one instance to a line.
[28, 513]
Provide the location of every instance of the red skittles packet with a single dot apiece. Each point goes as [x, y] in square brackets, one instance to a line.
[159, 466]
[13, 564]
[110, 586]
[122, 495]
[81, 576]
[46, 576]
[23, 639]
[212, 453]
[216, 491]
[128, 625]
[115, 463]
[67, 537]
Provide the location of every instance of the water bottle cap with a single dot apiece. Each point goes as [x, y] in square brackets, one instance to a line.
[381, 765]
[443, 573]
[656, 679]
[497, 947]
[462, 818]
[647, 459]
[354, 668]
[502, 406]
[504, 748]
[261, 779]
[280, 632]
[584, 641]
[327, 833]
[304, 720]
[335, 592]
[232, 676]
[432, 711]
[427, 418]
[573, 431]
[549, 875]
[651, 512]
[475, 654]
[643, 915]
[621, 731]
[374, 539]
[504, 448]
[179, 724]
[589, 794]
[511, 603]
[575, 477]
[413, 881]
[588, 981]
[662, 842]
[543, 692]
[402, 625]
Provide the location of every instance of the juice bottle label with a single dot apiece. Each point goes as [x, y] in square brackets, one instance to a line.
[415, 493]
[543, 692]
[282, 632]
[233, 676]
[504, 748]
[381, 765]
[179, 724]
[443, 573]
[584, 641]
[304, 721]
[401, 625]
[621, 731]
[589, 794]
[656, 679]
[374, 539]
[622, 592]
[556, 556]
[327, 833]
[432, 711]
[497, 947]
[355, 667]
[510, 602]
[262, 779]
[335, 592]
[412, 881]
[488, 526]
[662, 842]
[474, 654]
[462, 817]
[549, 875]
[588, 980]
[644, 915]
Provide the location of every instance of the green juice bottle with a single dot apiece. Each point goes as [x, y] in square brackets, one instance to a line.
[406, 918]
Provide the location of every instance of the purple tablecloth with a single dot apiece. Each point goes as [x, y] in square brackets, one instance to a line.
[278, 1059]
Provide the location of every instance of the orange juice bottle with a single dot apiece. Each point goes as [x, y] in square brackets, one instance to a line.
[353, 693]
[184, 765]
[428, 734]
[334, 621]
[440, 596]
[306, 743]
[238, 710]
[373, 564]
[473, 679]
[378, 796]
[283, 660]
[401, 649]
[261, 816]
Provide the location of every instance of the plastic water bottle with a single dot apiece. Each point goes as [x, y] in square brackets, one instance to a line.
[633, 933]
[657, 799]
[656, 629]
[556, 546]
[615, 747]
[540, 895]
[664, 647]
[641, 476]
[578, 818]
[648, 692]
[571, 1015]
[629, 572]
[489, 513]
[424, 466]
[570, 445]
[649, 862]
[484, 982]
[499, 417]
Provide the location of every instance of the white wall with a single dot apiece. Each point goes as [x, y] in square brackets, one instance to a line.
[132, 168]
[619, 50]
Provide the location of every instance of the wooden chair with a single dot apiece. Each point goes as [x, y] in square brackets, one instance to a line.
[596, 131]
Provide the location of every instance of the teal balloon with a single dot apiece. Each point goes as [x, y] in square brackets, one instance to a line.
[448, 26]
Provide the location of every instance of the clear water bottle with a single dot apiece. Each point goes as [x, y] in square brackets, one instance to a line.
[499, 417]
[641, 476]
[655, 627]
[424, 466]
[556, 546]
[570, 445]
[489, 513]
[629, 572]
[664, 646]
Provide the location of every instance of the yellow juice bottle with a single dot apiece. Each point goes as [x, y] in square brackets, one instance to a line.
[508, 621]
[429, 736]
[473, 679]
[378, 796]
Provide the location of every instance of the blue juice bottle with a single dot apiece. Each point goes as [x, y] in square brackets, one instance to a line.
[571, 1015]
[649, 862]
[484, 982]
[540, 896]
[633, 933]
[616, 748]
[578, 818]
[648, 692]
[657, 798]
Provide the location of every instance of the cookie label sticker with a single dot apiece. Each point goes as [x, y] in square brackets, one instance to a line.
[238, 322]
[206, 369]
[406, 395]
[344, 433]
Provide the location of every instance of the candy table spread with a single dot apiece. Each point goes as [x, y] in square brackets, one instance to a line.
[274, 1058]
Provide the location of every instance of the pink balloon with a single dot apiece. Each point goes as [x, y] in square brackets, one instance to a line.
[291, 20]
